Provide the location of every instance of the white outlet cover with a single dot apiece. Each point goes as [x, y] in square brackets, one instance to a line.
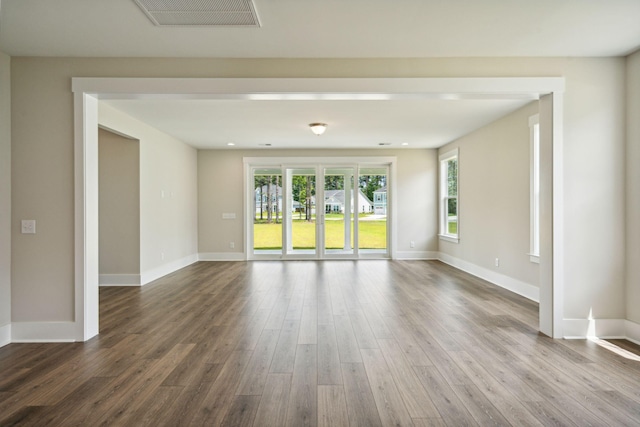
[28, 226]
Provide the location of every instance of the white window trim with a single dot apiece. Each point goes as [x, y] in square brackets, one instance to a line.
[534, 189]
[443, 235]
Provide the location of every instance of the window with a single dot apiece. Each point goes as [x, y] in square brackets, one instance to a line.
[449, 213]
[534, 168]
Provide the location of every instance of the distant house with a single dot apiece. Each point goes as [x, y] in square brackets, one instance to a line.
[263, 192]
[380, 201]
[334, 202]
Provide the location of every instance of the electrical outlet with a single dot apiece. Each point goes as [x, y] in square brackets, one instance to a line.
[412, 244]
[162, 256]
[232, 245]
[28, 226]
[497, 262]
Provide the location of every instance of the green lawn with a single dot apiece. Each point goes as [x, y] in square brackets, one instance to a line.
[373, 235]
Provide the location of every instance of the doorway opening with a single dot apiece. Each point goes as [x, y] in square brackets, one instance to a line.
[87, 92]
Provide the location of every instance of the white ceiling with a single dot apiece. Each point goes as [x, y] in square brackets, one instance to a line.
[326, 29]
[421, 123]
[330, 29]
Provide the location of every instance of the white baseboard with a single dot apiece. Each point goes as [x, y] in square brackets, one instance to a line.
[632, 331]
[5, 335]
[168, 268]
[43, 332]
[119, 280]
[593, 328]
[222, 256]
[521, 288]
[417, 255]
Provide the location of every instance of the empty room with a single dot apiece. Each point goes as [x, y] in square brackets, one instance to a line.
[292, 213]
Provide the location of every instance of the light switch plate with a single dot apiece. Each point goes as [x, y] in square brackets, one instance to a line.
[228, 216]
[28, 226]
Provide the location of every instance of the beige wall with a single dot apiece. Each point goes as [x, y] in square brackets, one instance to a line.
[416, 175]
[494, 197]
[633, 188]
[168, 192]
[5, 190]
[594, 143]
[119, 200]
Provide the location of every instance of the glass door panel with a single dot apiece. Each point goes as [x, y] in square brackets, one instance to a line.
[373, 214]
[267, 220]
[339, 202]
[301, 211]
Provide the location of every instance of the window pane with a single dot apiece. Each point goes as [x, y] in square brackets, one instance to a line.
[452, 177]
[452, 216]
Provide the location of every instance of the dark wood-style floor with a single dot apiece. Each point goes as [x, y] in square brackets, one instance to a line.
[367, 343]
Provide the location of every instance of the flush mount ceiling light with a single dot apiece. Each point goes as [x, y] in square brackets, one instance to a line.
[318, 128]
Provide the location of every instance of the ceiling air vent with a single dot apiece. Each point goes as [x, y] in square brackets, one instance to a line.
[200, 13]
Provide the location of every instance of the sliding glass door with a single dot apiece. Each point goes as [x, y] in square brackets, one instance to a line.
[317, 211]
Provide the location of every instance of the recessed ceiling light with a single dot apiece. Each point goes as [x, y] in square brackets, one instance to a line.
[405, 143]
[230, 143]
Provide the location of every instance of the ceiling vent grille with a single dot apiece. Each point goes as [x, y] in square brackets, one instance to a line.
[200, 13]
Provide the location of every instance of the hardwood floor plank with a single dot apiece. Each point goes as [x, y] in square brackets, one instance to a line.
[410, 347]
[138, 391]
[449, 406]
[361, 405]
[28, 415]
[481, 408]
[294, 311]
[414, 395]
[57, 414]
[338, 305]
[390, 405]
[154, 410]
[303, 400]
[309, 325]
[442, 359]
[325, 310]
[621, 403]
[285, 354]
[272, 411]
[249, 338]
[332, 407]
[377, 324]
[255, 374]
[329, 370]
[347, 343]
[502, 399]
[362, 330]
[549, 415]
[278, 313]
[188, 403]
[226, 343]
[218, 400]
[428, 422]
[242, 411]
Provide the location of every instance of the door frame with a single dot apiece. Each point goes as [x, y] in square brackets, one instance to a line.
[87, 91]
